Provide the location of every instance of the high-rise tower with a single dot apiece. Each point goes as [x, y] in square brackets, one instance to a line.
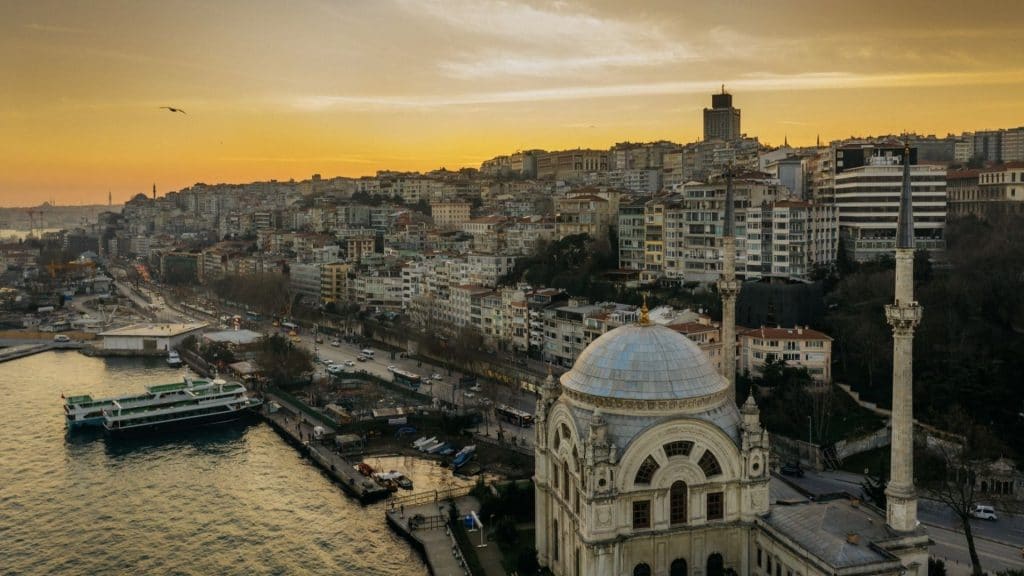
[728, 287]
[721, 121]
[903, 315]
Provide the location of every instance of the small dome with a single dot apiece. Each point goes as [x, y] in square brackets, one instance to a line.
[646, 363]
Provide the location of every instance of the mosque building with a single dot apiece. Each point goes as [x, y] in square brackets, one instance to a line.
[645, 465]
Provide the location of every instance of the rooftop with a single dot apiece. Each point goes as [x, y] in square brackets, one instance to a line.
[153, 330]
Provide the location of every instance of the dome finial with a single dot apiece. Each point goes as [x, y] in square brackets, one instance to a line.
[645, 317]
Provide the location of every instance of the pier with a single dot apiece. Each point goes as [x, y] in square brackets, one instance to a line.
[297, 428]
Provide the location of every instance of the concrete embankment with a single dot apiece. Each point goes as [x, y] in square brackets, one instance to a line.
[23, 350]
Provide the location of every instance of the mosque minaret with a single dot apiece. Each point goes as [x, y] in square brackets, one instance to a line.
[903, 315]
[728, 286]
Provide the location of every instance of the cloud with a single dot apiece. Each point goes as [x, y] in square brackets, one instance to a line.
[516, 39]
[760, 82]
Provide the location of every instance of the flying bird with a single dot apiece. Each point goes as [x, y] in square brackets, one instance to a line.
[174, 109]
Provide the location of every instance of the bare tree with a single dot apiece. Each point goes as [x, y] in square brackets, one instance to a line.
[954, 472]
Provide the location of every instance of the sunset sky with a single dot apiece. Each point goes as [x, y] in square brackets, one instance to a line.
[343, 88]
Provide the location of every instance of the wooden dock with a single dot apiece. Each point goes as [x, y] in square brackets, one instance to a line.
[297, 427]
[424, 524]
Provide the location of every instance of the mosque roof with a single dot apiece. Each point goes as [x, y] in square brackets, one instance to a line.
[644, 362]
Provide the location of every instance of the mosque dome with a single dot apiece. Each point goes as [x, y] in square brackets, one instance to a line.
[647, 363]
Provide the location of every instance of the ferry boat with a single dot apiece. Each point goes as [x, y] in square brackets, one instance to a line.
[184, 404]
[173, 359]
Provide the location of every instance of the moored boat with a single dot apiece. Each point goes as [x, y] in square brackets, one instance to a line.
[186, 404]
[173, 359]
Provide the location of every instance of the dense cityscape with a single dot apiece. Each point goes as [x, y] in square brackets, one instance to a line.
[712, 357]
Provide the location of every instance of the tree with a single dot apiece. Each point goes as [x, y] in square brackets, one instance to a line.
[282, 362]
[952, 472]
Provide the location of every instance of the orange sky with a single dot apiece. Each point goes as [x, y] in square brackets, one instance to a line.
[287, 89]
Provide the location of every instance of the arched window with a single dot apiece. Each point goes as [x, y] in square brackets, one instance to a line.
[645, 473]
[716, 566]
[678, 448]
[677, 496]
[709, 464]
[642, 570]
[678, 567]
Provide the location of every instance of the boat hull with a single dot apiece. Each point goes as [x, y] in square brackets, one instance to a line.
[219, 418]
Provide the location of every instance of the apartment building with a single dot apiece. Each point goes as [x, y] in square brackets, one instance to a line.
[306, 280]
[587, 211]
[334, 281]
[788, 238]
[631, 232]
[571, 165]
[449, 214]
[868, 200]
[1003, 188]
[800, 347]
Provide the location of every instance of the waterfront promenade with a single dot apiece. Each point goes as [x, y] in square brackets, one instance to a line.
[422, 519]
[297, 428]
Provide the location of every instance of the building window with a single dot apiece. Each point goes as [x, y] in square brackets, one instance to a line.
[554, 474]
[677, 503]
[565, 482]
[646, 471]
[709, 464]
[680, 448]
[716, 566]
[677, 568]
[641, 514]
[642, 570]
[554, 539]
[758, 556]
[716, 506]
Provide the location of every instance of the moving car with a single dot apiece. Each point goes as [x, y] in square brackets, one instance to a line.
[335, 343]
[61, 338]
[349, 363]
[392, 368]
[983, 512]
[335, 368]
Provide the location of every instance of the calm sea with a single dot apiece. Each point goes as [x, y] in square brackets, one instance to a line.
[234, 500]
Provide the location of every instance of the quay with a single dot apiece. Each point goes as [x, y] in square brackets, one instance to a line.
[22, 350]
[422, 519]
[297, 429]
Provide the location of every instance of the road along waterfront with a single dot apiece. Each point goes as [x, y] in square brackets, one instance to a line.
[231, 500]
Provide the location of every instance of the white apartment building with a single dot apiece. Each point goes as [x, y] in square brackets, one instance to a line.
[800, 347]
[868, 201]
[631, 231]
[380, 291]
[787, 238]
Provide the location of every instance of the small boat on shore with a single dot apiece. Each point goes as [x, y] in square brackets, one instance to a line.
[173, 359]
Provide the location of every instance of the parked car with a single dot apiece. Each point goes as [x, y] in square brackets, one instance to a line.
[792, 469]
[335, 369]
[983, 512]
[61, 338]
[392, 368]
[468, 395]
[475, 387]
[435, 376]
[362, 358]
[349, 363]
[335, 343]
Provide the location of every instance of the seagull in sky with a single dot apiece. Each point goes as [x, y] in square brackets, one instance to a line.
[174, 109]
